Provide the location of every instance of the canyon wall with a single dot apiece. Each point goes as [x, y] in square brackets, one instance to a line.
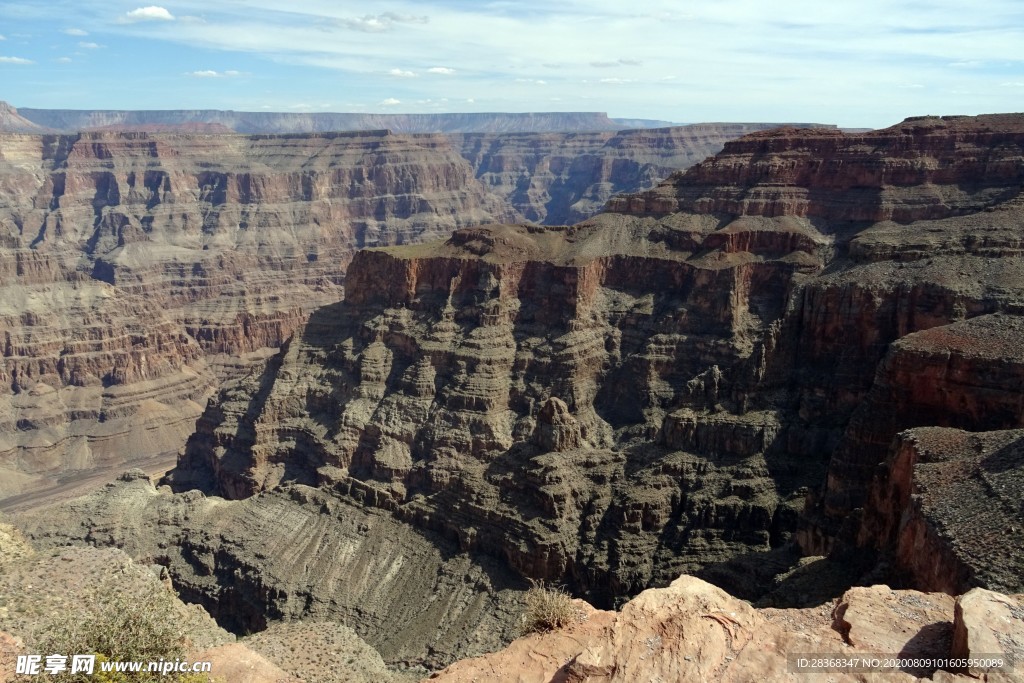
[564, 178]
[657, 389]
[688, 382]
[138, 269]
[141, 268]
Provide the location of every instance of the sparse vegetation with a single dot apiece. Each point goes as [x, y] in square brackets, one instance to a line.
[548, 608]
[119, 625]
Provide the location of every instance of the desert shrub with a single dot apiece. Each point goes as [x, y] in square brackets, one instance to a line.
[120, 625]
[548, 608]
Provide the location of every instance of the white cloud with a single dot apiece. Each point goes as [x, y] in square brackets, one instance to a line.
[150, 13]
[390, 102]
[210, 73]
[63, 60]
[1012, 84]
[535, 81]
[444, 70]
[378, 23]
[15, 60]
[617, 62]
[89, 46]
[616, 81]
[2, 37]
[75, 32]
[398, 73]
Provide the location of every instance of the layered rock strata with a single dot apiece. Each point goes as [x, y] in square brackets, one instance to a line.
[137, 269]
[302, 553]
[537, 394]
[654, 391]
[566, 178]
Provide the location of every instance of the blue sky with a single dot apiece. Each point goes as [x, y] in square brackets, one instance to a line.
[870, 63]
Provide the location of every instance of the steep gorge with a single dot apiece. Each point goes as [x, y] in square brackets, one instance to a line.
[653, 391]
[139, 269]
[686, 383]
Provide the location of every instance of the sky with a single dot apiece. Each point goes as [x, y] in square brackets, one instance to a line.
[866, 64]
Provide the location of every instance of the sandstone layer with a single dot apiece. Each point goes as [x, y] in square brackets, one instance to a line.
[691, 631]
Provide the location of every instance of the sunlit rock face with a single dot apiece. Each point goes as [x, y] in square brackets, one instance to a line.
[137, 269]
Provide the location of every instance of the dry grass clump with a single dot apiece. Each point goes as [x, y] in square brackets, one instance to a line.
[548, 608]
[121, 625]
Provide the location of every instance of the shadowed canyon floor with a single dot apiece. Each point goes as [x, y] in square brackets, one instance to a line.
[709, 378]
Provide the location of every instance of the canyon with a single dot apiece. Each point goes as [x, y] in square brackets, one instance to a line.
[140, 269]
[791, 368]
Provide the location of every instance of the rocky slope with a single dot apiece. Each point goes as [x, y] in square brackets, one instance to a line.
[137, 269]
[414, 596]
[653, 391]
[13, 122]
[692, 631]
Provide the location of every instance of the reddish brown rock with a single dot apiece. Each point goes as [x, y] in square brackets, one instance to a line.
[946, 504]
[692, 631]
[236, 662]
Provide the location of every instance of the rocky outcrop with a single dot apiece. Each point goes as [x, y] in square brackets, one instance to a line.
[508, 388]
[967, 374]
[946, 505]
[692, 631]
[139, 269]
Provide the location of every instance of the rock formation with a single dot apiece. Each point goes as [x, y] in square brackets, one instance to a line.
[686, 383]
[13, 122]
[692, 631]
[653, 391]
[137, 269]
[566, 178]
[302, 553]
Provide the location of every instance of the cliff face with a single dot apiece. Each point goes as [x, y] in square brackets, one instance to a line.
[138, 268]
[925, 167]
[654, 390]
[558, 179]
[141, 267]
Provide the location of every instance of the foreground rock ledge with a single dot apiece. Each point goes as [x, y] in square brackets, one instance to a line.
[693, 631]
